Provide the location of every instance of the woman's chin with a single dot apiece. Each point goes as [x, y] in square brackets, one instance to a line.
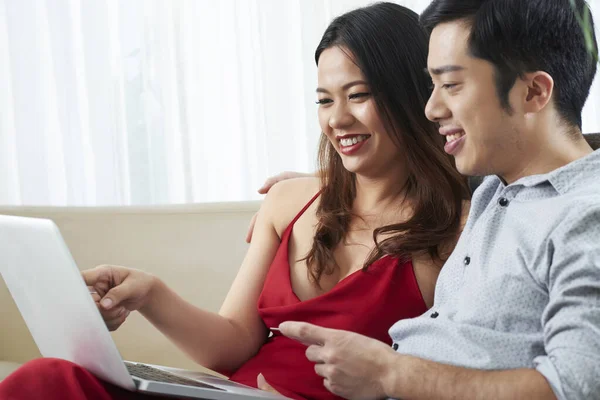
[354, 167]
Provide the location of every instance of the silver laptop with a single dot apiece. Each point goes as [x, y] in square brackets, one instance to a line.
[65, 323]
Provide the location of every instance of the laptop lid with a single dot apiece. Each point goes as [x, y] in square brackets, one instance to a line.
[48, 289]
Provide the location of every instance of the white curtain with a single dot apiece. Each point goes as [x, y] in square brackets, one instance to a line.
[120, 102]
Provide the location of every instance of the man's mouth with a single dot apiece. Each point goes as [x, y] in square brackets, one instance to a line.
[454, 136]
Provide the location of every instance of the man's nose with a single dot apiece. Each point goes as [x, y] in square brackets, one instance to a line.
[436, 109]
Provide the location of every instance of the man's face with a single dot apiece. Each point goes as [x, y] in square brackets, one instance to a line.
[480, 134]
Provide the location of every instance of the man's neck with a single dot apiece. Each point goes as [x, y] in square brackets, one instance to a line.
[546, 152]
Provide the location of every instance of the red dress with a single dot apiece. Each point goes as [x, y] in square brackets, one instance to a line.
[367, 302]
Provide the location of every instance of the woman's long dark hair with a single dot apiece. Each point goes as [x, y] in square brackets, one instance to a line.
[387, 43]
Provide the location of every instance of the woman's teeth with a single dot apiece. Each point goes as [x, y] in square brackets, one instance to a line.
[353, 140]
[456, 136]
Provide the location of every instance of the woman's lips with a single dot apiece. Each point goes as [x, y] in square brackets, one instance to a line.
[354, 148]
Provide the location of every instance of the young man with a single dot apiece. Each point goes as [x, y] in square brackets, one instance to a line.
[517, 306]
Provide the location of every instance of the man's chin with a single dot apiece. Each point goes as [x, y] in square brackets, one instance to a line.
[469, 169]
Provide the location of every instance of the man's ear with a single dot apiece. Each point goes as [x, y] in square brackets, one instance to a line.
[540, 87]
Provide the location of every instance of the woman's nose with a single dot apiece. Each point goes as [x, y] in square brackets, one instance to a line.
[340, 117]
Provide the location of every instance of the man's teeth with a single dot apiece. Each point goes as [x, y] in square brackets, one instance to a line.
[451, 138]
[353, 140]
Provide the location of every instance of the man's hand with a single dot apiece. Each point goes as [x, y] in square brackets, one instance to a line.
[358, 367]
[284, 176]
[265, 189]
[353, 366]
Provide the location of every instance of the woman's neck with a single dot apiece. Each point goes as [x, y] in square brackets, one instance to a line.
[378, 195]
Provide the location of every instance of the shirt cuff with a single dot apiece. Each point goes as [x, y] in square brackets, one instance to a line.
[544, 366]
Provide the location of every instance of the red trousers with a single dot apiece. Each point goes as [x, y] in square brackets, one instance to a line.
[54, 379]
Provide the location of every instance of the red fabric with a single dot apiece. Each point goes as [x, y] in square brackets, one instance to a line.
[54, 379]
[367, 302]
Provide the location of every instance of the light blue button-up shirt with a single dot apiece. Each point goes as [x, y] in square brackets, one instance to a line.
[522, 287]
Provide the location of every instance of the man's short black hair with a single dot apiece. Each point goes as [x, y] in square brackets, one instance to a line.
[520, 36]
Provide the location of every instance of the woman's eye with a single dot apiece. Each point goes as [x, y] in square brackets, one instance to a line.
[323, 101]
[358, 95]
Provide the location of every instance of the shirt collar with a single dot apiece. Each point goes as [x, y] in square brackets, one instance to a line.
[563, 179]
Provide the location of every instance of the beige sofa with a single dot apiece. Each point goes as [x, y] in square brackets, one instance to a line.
[196, 249]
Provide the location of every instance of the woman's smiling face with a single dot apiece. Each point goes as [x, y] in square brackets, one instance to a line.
[349, 117]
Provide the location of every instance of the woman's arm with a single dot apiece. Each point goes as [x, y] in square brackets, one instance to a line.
[226, 340]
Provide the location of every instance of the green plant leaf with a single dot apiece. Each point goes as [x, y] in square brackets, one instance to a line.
[588, 33]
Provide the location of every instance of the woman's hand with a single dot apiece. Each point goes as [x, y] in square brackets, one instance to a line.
[262, 384]
[117, 291]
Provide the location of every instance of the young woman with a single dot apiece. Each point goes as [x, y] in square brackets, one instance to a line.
[357, 249]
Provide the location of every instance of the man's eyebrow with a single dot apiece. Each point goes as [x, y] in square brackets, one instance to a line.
[345, 87]
[444, 69]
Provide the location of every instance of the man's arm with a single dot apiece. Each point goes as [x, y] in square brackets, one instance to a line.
[358, 367]
[569, 268]
[414, 378]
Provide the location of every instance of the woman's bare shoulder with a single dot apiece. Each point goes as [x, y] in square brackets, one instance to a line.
[286, 198]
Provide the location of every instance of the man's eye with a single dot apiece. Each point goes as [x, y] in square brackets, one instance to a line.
[447, 86]
[358, 95]
[323, 101]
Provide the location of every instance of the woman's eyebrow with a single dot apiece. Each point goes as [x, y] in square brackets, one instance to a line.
[345, 87]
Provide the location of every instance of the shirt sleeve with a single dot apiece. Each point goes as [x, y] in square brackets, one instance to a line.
[571, 321]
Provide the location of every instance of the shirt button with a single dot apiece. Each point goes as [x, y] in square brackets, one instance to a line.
[435, 314]
[395, 346]
[503, 201]
[467, 260]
